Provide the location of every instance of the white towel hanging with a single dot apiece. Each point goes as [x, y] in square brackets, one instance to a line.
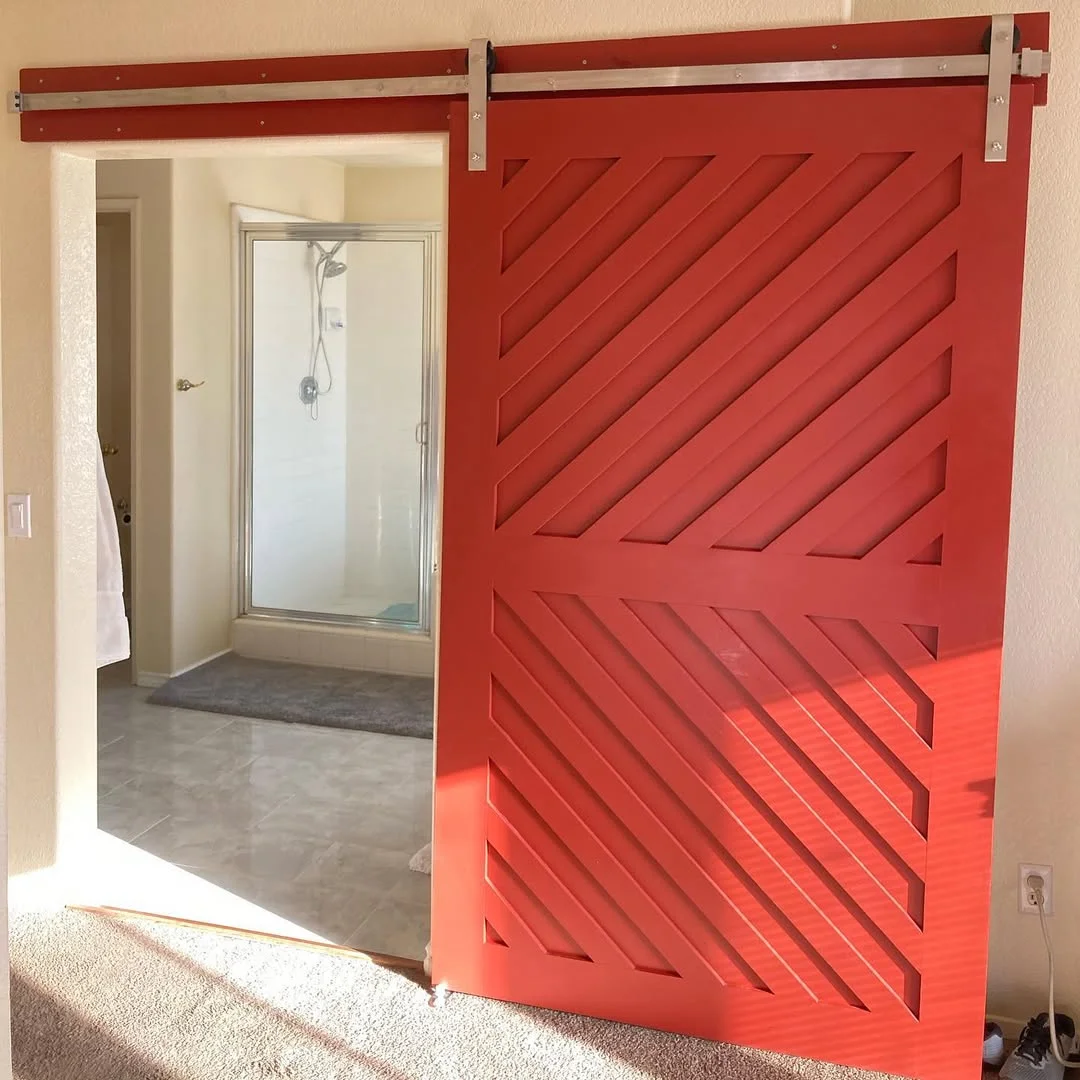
[113, 636]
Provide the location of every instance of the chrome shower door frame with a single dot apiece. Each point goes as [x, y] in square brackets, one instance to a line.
[428, 235]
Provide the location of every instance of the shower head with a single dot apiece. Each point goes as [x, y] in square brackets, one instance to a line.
[326, 262]
[323, 252]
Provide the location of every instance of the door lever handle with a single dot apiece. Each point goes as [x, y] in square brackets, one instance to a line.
[109, 449]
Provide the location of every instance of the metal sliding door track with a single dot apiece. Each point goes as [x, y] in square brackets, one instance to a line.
[482, 81]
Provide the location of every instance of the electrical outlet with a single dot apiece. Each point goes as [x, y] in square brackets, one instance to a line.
[1028, 906]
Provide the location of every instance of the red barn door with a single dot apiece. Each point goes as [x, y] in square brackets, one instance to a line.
[730, 394]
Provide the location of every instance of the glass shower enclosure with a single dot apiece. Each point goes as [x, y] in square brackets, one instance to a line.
[338, 396]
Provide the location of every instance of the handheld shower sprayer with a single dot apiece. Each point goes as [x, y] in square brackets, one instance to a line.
[326, 266]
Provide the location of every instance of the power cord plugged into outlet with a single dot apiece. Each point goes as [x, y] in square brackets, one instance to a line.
[1035, 883]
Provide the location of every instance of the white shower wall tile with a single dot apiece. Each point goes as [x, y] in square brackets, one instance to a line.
[385, 349]
[399, 655]
[328, 646]
[346, 650]
[291, 645]
[378, 653]
[266, 640]
[245, 637]
[312, 646]
[412, 656]
[427, 658]
[298, 467]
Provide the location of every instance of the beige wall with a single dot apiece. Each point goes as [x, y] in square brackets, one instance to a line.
[151, 183]
[7, 43]
[204, 301]
[382, 196]
[1038, 793]
[68, 32]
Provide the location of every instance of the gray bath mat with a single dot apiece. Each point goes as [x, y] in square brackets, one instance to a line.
[297, 693]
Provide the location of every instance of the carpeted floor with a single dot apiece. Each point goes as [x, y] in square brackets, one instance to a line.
[102, 998]
[298, 693]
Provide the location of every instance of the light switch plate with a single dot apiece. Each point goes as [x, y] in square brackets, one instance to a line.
[18, 516]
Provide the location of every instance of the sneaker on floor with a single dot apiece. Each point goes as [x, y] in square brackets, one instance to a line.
[993, 1045]
[1033, 1059]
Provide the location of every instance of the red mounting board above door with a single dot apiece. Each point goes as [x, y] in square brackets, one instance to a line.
[932, 37]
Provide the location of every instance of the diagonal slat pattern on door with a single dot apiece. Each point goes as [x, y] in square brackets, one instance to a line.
[858, 254]
[694, 809]
[680, 364]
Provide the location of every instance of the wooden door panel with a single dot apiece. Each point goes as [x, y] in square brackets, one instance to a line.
[730, 394]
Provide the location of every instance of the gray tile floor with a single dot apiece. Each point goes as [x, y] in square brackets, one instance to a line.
[313, 824]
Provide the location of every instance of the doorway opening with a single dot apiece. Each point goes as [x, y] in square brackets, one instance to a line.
[117, 231]
[268, 752]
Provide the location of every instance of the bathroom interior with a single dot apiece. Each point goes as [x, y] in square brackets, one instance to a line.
[269, 344]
